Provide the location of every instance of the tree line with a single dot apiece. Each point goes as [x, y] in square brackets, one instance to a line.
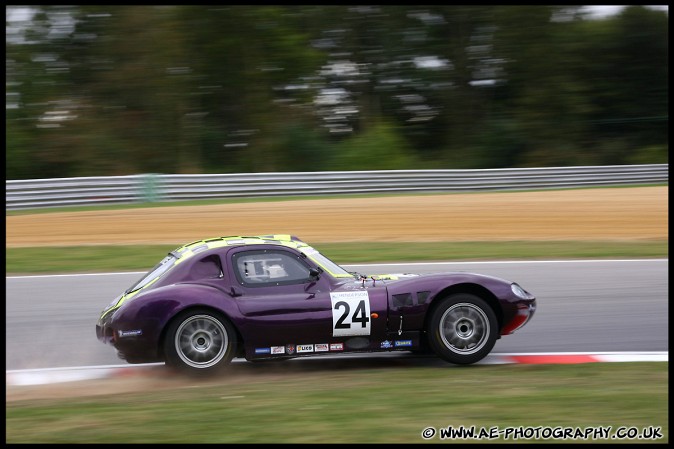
[118, 90]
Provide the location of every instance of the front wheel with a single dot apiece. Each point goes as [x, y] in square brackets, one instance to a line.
[200, 342]
[463, 329]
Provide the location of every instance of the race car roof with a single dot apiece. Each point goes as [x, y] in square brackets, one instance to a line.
[192, 248]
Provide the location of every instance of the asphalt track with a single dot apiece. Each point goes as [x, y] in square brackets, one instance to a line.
[583, 306]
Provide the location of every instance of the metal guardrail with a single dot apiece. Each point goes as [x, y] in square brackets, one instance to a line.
[39, 193]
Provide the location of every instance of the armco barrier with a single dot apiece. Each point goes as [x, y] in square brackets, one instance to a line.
[39, 193]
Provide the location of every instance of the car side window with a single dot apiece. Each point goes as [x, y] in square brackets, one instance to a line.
[207, 268]
[263, 268]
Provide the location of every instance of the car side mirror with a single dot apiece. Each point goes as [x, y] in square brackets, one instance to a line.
[314, 274]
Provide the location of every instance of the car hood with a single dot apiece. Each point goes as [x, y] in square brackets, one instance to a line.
[402, 279]
[393, 277]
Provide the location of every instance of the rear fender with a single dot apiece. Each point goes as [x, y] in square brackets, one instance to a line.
[164, 303]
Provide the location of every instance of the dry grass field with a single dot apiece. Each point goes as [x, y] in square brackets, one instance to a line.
[612, 214]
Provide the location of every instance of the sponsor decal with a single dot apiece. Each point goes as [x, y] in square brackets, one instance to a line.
[401, 343]
[133, 333]
[278, 350]
[262, 350]
[305, 348]
[321, 347]
[386, 344]
[290, 349]
[336, 346]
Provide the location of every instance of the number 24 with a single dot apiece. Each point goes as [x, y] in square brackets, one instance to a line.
[359, 315]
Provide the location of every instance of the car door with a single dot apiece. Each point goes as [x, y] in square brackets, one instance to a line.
[287, 311]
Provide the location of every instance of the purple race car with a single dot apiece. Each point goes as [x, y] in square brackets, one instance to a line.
[274, 296]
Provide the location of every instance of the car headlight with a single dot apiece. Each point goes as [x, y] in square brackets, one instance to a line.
[113, 303]
[520, 292]
[108, 310]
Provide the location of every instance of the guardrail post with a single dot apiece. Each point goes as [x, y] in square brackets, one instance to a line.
[151, 188]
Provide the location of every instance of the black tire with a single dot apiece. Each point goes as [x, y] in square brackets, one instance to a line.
[463, 329]
[200, 342]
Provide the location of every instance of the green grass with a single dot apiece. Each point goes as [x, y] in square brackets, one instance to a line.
[389, 404]
[82, 259]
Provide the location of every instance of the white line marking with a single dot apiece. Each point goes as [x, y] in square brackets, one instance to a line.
[364, 355]
[73, 274]
[583, 353]
[128, 365]
[504, 262]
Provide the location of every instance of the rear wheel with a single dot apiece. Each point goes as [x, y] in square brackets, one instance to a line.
[200, 342]
[463, 329]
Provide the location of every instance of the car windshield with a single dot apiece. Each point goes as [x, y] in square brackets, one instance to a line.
[325, 263]
[159, 269]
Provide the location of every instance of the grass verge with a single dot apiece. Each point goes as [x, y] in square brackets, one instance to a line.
[386, 404]
[81, 259]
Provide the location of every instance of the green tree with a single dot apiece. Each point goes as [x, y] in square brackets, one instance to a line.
[629, 63]
[381, 147]
[116, 90]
